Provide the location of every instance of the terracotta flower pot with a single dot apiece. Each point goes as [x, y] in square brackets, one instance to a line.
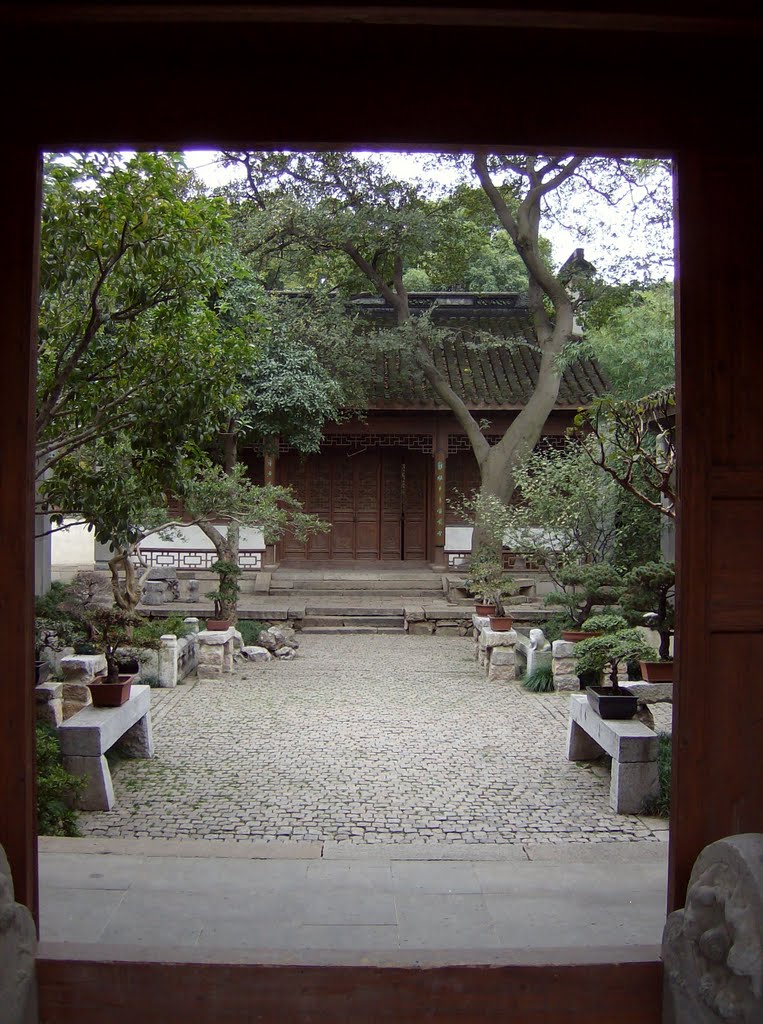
[218, 623]
[657, 671]
[574, 635]
[501, 623]
[484, 609]
[111, 695]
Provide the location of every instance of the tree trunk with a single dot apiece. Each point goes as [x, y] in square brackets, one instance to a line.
[226, 549]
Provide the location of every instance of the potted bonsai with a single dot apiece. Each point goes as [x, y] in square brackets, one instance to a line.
[609, 651]
[110, 629]
[488, 580]
[226, 594]
[483, 569]
[647, 597]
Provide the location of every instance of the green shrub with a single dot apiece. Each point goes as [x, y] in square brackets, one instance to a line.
[56, 788]
[606, 622]
[540, 680]
[659, 806]
[250, 630]
[148, 632]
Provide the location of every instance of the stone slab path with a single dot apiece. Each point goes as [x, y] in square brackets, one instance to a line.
[362, 740]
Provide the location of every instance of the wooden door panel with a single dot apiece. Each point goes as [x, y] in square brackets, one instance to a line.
[416, 504]
[391, 506]
[292, 472]
[366, 469]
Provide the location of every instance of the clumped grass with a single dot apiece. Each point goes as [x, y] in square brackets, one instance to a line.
[659, 806]
[250, 630]
[540, 680]
[56, 788]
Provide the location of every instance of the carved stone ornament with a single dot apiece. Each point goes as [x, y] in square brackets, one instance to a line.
[18, 944]
[713, 948]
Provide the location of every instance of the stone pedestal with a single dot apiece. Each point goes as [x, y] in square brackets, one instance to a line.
[215, 652]
[563, 665]
[497, 655]
[49, 703]
[79, 670]
[168, 660]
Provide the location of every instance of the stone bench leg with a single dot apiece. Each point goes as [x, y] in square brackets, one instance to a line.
[211, 661]
[98, 794]
[228, 656]
[580, 746]
[632, 783]
[138, 741]
[501, 665]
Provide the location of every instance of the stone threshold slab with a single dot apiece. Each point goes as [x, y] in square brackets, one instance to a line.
[425, 958]
[287, 849]
[614, 851]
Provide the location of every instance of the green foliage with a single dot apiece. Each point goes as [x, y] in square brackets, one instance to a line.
[228, 588]
[110, 629]
[56, 788]
[250, 630]
[584, 586]
[647, 598]
[659, 806]
[608, 651]
[55, 627]
[487, 579]
[540, 680]
[147, 633]
[635, 346]
[129, 262]
[634, 443]
[637, 537]
[606, 623]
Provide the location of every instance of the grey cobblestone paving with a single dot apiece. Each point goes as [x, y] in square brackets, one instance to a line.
[364, 739]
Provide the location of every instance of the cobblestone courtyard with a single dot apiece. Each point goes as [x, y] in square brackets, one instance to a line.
[364, 739]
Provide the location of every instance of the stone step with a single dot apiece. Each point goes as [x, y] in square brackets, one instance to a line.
[348, 630]
[369, 586]
[391, 621]
[343, 609]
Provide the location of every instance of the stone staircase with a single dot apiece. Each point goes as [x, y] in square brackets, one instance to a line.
[349, 619]
[371, 584]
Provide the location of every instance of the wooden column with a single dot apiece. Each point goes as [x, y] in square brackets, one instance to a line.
[19, 227]
[440, 454]
[271, 550]
[718, 724]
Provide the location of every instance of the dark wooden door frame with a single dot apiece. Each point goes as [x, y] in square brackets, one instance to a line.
[684, 110]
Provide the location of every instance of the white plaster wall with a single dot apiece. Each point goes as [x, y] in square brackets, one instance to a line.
[192, 537]
[71, 550]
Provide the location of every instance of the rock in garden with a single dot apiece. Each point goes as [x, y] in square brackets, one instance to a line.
[267, 640]
[256, 654]
[286, 653]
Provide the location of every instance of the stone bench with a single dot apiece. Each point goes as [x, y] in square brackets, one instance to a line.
[86, 736]
[631, 745]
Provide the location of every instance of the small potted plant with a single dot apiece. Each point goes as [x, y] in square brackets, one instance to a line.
[499, 587]
[111, 628]
[647, 597]
[483, 568]
[609, 651]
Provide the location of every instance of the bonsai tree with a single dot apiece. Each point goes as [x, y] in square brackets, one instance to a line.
[584, 586]
[646, 598]
[606, 622]
[226, 595]
[487, 579]
[609, 650]
[111, 628]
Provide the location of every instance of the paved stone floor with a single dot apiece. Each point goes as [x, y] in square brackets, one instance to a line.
[364, 739]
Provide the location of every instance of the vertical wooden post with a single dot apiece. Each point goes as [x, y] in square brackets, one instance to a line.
[269, 476]
[719, 641]
[19, 227]
[440, 452]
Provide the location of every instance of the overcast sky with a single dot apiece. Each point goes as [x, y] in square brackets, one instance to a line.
[413, 166]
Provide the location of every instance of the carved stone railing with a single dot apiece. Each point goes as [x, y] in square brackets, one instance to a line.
[713, 948]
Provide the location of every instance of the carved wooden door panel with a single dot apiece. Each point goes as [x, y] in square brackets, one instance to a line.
[292, 472]
[318, 502]
[392, 506]
[342, 507]
[366, 467]
[415, 505]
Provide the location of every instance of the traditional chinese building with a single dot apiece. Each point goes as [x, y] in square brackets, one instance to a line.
[385, 482]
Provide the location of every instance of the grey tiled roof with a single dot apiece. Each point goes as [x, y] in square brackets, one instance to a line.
[486, 376]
